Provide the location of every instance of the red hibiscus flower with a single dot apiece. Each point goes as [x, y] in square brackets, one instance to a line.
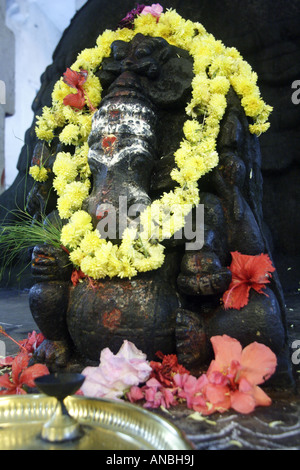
[32, 342]
[75, 80]
[21, 375]
[247, 272]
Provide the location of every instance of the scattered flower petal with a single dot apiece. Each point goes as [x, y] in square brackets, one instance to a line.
[199, 417]
[274, 424]
[233, 442]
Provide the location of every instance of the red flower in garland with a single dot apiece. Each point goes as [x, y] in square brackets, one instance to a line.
[75, 80]
[247, 272]
[77, 274]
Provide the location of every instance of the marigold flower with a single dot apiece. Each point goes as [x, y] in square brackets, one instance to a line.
[73, 232]
[59, 184]
[192, 130]
[253, 105]
[258, 129]
[39, 174]
[91, 242]
[219, 85]
[64, 207]
[42, 130]
[76, 192]
[88, 59]
[105, 40]
[76, 256]
[64, 165]
[201, 91]
[81, 220]
[70, 134]
[126, 269]
[93, 267]
[70, 236]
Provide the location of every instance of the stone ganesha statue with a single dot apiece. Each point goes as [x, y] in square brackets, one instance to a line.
[176, 308]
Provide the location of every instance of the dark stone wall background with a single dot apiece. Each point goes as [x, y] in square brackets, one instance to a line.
[267, 34]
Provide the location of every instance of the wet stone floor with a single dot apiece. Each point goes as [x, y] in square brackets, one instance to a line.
[272, 428]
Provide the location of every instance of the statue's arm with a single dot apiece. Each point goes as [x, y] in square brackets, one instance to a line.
[48, 301]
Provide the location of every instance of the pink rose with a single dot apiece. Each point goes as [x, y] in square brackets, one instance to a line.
[116, 372]
[155, 9]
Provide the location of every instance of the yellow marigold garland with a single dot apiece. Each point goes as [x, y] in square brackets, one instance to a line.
[216, 68]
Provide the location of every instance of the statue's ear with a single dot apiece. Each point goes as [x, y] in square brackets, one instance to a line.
[173, 86]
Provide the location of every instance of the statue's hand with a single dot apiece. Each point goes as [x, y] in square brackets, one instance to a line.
[50, 263]
[202, 274]
[54, 354]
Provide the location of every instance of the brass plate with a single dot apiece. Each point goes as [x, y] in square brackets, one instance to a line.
[106, 425]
